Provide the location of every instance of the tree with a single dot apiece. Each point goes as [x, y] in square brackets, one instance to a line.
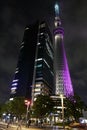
[7, 107]
[43, 106]
[74, 106]
[16, 107]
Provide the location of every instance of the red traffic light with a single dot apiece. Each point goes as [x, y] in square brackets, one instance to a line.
[27, 102]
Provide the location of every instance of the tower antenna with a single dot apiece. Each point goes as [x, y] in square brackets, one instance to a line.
[56, 10]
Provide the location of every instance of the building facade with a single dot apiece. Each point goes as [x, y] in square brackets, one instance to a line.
[22, 80]
[43, 69]
[34, 71]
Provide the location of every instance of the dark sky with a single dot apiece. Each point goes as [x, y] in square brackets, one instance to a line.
[15, 15]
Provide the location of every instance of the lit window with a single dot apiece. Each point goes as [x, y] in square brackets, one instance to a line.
[38, 85]
[39, 59]
[16, 80]
[36, 90]
[38, 43]
[13, 88]
[16, 71]
[39, 65]
[14, 84]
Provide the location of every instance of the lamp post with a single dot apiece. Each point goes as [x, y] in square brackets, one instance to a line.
[62, 104]
[27, 103]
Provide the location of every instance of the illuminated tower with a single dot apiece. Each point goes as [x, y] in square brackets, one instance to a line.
[62, 79]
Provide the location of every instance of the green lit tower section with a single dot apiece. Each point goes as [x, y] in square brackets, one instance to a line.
[62, 78]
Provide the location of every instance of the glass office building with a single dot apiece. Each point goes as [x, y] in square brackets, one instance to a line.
[34, 71]
[43, 69]
[22, 80]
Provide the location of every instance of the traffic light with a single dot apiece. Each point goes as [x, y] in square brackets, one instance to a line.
[27, 102]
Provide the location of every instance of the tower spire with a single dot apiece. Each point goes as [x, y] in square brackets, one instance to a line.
[56, 10]
[57, 21]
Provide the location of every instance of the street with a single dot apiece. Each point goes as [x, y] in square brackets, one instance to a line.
[3, 126]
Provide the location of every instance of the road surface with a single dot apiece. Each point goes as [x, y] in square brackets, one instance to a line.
[3, 126]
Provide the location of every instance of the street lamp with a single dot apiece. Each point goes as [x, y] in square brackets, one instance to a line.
[62, 104]
[27, 103]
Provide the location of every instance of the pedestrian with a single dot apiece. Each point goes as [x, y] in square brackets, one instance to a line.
[8, 122]
[19, 125]
[28, 123]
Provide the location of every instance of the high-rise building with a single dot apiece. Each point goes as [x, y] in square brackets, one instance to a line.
[62, 78]
[22, 81]
[34, 71]
[43, 69]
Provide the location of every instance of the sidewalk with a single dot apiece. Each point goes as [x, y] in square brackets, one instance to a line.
[36, 128]
[14, 127]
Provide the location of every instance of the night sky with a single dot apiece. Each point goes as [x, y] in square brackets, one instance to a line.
[15, 15]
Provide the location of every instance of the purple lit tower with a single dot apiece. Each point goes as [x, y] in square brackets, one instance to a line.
[62, 79]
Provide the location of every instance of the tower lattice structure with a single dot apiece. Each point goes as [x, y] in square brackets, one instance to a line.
[62, 78]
